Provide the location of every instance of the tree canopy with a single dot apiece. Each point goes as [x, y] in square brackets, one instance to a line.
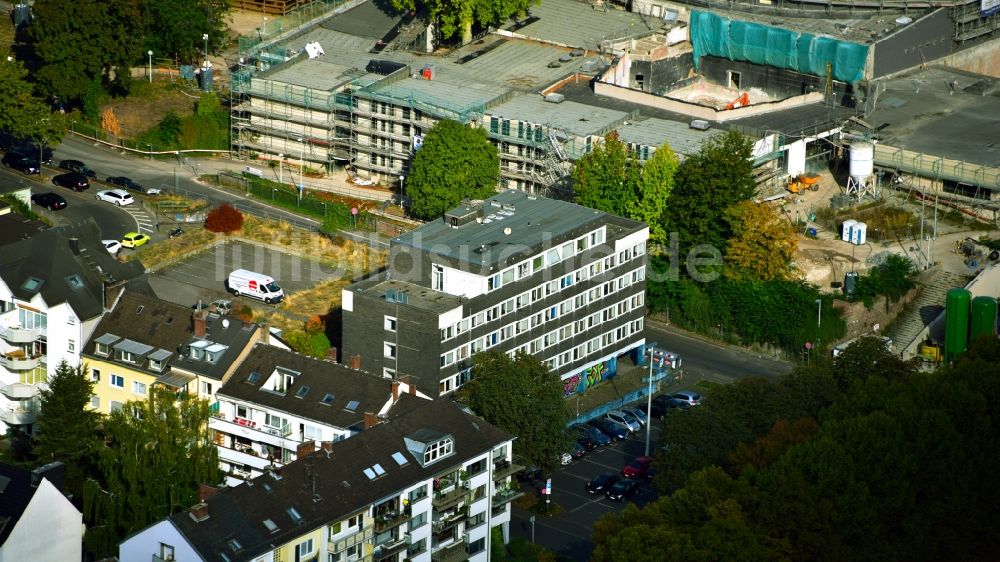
[174, 28]
[458, 16]
[455, 162]
[76, 42]
[524, 398]
[705, 185]
[66, 430]
[607, 177]
[762, 243]
[654, 187]
[22, 114]
[158, 451]
[884, 469]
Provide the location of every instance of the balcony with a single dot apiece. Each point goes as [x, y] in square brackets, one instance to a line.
[340, 545]
[392, 546]
[19, 362]
[505, 495]
[504, 468]
[15, 335]
[19, 391]
[449, 497]
[254, 432]
[18, 416]
[449, 520]
[451, 553]
[387, 521]
[247, 456]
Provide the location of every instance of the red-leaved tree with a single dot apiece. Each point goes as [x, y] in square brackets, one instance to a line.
[224, 218]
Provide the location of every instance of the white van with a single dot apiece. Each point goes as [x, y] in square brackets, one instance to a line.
[254, 285]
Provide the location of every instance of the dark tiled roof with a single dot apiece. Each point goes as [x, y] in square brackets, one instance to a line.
[145, 319]
[322, 378]
[231, 332]
[14, 227]
[340, 485]
[17, 487]
[67, 276]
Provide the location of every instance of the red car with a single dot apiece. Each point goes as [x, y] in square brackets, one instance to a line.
[638, 468]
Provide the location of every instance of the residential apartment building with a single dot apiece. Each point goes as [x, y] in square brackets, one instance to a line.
[54, 288]
[513, 273]
[279, 400]
[429, 484]
[39, 521]
[145, 341]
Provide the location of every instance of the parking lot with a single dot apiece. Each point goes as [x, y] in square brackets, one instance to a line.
[202, 276]
[568, 533]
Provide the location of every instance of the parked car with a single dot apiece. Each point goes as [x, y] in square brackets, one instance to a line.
[588, 443]
[663, 404]
[612, 429]
[176, 232]
[127, 183]
[21, 162]
[638, 468]
[78, 167]
[622, 490]
[601, 483]
[32, 150]
[112, 246]
[134, 240]
[119, 197]
[73, 180]
[626, 420]
[691, 397]
[221, 306]
[578, 450]
[596, 435]
[51, 201]
[637, 413]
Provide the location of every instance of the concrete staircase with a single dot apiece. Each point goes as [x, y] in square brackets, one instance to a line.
[924, 309]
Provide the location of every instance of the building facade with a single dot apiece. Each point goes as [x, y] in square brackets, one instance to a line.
[278, 400]
[514, 273]
[428, 484]
[40, 523]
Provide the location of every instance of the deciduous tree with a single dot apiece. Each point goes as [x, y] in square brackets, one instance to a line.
[458, 16]
[455, 162]
[656, 183]
[66, 430]
[523, 397]
[158, 451]
[762, 243]
[607, 178]
[174, 28]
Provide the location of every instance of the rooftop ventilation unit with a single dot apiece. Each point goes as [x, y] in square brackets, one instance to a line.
[461, 216]
[555, 98]
[701, 125]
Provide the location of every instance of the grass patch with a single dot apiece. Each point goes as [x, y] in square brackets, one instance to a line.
[156, 254]
[707, 386]
[319, 300]
[346, 254]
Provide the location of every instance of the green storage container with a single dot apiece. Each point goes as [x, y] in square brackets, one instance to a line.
[984, 318]
[956, 325]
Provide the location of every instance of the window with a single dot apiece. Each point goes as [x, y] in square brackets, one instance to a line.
[389, 350]
[95, 375]
[303, 549]
[95, 401]
[476, 467]
[447, 358]
[71, 346]
[418, 493]
[155, 365]
[138, 388]
[117, 381]
[537, 264]
[477, 546]
[389, 323]
[566, 281]
[523, 270]
[355, 521]
[387, 373]
[128, 357]
[416, 547]
[437, 277]
[476, 520]
[271, 420]
[493, 282]
[206, 387]
[508, 276]
[418, 520]
[438, 450]
[311, 432]
[115, 406]
[166, 551]
[102, 349]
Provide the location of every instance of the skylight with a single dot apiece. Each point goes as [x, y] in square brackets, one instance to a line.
[270, 525]
[328, 399]
[301, 393]
[74, 282]
[353, 405]
[369, 473]
[399, 458]
[235, 545]
[267, 487]
[379, 471]
[294, 514]
[32, 284]
[253, 377]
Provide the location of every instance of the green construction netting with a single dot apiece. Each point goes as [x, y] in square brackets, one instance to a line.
[782, 48]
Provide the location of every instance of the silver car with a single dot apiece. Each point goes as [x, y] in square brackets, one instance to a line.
[624, 419]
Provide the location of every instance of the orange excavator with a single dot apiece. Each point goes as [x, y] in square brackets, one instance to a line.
[742, 101]
[803, 182]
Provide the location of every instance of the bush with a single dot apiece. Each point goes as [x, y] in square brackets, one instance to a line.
[224, 218]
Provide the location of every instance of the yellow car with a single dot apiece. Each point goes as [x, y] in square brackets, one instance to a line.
[134, 240]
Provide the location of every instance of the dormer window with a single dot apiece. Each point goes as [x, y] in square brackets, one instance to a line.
[155, 365]
[438, 450]
[102, 345]
[102, 349]
[281, 379]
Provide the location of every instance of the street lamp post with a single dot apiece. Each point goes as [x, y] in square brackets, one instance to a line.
[401, 178]
[264, 28]
[281, 159]
[150, 53]
[653, 356]
[205, 37]
[819, 312]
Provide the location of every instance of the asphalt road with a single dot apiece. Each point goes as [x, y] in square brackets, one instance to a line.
[709, 360]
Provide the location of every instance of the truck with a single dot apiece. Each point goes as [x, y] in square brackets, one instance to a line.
[243, 282]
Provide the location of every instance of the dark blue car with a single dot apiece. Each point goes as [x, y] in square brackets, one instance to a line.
[595, 435]
[610, 428]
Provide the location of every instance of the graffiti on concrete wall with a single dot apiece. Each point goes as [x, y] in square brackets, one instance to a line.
[593, 375]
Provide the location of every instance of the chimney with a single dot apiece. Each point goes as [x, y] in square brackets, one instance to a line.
[371, 420]
[199, 512]
[112, 290]
[354, 362]
[74, 244]
[395, 391]
[408, 381]
[305, 449]
[205, 491]
[199, 323]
